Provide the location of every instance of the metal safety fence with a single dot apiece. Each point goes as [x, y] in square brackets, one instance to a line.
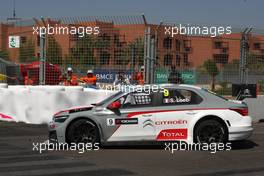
[106, 46]
[211, 56]
[42, 51]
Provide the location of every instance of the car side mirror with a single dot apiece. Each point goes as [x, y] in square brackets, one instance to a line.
[114, 105]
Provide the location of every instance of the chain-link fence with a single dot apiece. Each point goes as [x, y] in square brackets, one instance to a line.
[128, 45]
[106, 46]
[197, 54]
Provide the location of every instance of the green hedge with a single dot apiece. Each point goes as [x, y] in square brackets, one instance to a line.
[261, 86]
[225, 89]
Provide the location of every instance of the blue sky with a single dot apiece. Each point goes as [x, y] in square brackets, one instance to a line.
[233, 12]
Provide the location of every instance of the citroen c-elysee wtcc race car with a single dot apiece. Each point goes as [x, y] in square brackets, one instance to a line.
[170, 113]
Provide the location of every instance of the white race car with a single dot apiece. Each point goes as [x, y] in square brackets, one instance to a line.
[170, 113]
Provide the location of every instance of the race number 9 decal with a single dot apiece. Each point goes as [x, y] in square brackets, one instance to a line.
[166, 93]
[110, 122]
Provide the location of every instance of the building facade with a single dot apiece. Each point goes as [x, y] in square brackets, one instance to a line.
[122, 45]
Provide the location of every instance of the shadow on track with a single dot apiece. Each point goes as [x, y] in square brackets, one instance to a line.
[243, 145]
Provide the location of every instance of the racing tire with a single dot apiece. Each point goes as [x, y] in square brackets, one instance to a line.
[83, 131]
[210, 131]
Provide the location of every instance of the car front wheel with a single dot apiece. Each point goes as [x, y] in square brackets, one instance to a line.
[210, 131]
[83, 131]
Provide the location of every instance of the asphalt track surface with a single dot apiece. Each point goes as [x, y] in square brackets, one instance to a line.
[18, 158]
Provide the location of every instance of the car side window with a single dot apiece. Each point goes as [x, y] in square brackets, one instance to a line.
[135, 99]
[180, 97]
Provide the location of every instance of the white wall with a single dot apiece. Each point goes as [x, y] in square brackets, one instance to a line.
[256, 107]
[37, 104]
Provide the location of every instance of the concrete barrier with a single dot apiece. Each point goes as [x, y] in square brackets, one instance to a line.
[256, 107]
[3, 85]
[37, 104]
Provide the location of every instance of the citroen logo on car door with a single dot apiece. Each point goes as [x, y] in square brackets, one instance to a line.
[148, 122]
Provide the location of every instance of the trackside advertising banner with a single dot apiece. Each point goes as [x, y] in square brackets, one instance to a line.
[161, 75]
[109, 76]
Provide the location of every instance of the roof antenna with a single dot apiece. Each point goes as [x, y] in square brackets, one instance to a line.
[14, 18]
[14, 9]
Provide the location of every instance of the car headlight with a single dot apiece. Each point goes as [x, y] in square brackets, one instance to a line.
[60, 119]
[61, 116]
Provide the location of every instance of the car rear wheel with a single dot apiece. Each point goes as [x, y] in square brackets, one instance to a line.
[82, 131]
[210, 131]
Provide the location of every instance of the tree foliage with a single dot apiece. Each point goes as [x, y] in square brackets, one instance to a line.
[4, 55]
[102, 42]
[83, 52]
[254, 63]
[27, 52]
[138, 48]
[212, 70]
[211, 67]
[133, 50]
[86, 49]
[53, 53]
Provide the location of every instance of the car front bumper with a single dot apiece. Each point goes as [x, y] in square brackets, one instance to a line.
[53, 136]
[56, 133]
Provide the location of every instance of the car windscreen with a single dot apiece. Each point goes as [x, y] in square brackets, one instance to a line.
[108, 99]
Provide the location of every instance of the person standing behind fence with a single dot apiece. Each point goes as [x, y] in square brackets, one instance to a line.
[121, 79]
[28, 81]
[175, 77]
[70, 79]
[89, 79]
[140, 76]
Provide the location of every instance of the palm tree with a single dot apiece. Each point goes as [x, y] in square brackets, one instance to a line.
[4, 55]
[83, 52]
[27, 52]
[211, 69]
[54, 53]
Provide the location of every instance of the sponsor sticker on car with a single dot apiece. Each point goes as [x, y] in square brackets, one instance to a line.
[130, 121]
[172, 134]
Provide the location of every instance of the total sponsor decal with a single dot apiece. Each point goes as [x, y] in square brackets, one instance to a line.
[172, 134]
